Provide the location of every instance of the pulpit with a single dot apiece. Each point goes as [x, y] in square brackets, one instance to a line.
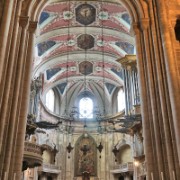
[85, 175]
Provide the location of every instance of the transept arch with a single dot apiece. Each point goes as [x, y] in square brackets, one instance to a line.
[23, 37]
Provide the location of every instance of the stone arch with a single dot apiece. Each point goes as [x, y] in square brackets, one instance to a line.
[125, 154]
[137, 10]
[155, 59]
[33, 8]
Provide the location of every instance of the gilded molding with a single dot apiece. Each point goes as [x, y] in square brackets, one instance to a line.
[128, 61]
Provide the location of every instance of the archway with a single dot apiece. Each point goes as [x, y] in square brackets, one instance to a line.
[152, 65]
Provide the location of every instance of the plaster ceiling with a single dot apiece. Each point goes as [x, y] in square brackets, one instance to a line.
[79, 40]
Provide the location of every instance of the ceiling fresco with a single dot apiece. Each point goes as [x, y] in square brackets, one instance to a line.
[51, 72]
[118, 72]
[62, 87]
[85, 41]
[78, 39]
[86, 68]
[110, 87]
[85, 14]
[90, 14]
[45, 46]
[127, 47]
[43, 17]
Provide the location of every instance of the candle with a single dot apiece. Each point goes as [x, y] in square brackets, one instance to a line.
[174, 178]
[162, 177]
[14, 176]
[5, 176]
[152, 178]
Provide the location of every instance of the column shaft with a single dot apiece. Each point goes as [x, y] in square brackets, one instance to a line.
[5, 95]
[149, 154]
[170, 63]
[25, 88]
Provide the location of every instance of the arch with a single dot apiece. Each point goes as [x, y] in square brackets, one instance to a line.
[125, 154]
[139, 13]
[166, 98]
[137, 9]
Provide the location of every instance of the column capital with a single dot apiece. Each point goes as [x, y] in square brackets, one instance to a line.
[23, 21]
[144, 23]
[128, 62]
[32, 26]
[136, 28]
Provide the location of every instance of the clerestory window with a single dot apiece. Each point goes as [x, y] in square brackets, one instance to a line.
[86, 108]
[50, 100]
[121, 100]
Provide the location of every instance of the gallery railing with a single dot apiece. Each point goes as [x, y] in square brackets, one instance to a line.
[125, 167]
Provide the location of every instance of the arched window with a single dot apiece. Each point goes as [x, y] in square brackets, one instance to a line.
[50, 100]
[86, 108]
[121, 100]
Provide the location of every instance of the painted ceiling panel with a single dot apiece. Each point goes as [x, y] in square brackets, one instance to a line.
[128, 48]
[110, 87]
[114, 25]
[113, 8]
[62, 87]
[118, 72]
[126, 17]
[85, 14]
[43, 47]
[81, 42]
[57, 7]
[43, 17]
[51, 72]
[56, 24]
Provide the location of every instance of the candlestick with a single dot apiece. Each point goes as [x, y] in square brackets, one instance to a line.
[152, 178]
[14, 176]
[162, 177]
[5, 176]
[174, 178]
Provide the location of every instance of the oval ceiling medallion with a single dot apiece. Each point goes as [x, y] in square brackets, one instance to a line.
[85, 14]
[85, 41]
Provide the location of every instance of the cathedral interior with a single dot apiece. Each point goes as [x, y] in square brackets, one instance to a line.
[90, 90]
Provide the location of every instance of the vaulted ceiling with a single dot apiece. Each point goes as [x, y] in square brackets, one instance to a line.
[80, 41]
